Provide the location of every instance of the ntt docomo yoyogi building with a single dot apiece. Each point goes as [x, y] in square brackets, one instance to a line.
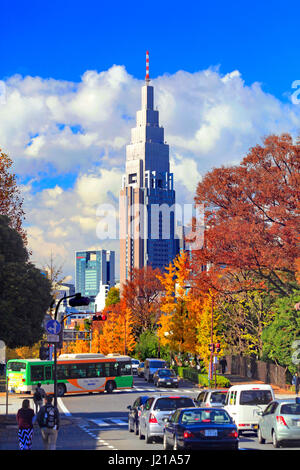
[147, 197]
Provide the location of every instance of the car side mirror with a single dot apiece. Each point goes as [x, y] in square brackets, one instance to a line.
[260, 413]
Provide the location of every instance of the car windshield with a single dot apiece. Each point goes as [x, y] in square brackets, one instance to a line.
[172, 403]
[205, 416]
[166, 373]
[290, 409]
[255, 397]
[135, 361]
[156, 364]
[218, 397]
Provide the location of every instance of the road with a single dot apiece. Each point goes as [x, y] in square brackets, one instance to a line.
[103, 418]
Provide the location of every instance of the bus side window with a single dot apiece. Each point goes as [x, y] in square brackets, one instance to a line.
[37, 373]
[100, 370]
[47, 371]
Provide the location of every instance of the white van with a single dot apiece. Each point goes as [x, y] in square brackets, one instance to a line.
[243, 402]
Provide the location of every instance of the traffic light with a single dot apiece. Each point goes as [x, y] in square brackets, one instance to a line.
[218, 347]
[99, 317]
[211, 347]
[79, 301]
[44, 352]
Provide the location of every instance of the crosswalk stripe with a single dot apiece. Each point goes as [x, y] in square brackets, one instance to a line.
[119, 422]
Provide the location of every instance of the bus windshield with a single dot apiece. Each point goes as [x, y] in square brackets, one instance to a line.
[16, 366]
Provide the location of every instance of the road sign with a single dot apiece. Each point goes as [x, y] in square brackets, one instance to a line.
[52, 338]
[53, 327]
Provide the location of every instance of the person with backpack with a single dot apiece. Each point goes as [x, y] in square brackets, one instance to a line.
[48, 419]
[38, 397]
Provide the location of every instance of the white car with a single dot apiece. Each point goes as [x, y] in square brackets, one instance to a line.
[244, 403]
[135, 365]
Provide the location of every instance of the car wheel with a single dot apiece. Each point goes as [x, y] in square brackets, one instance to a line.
[61, 390]
[110, 386]
[149, 439]
[129, 426]
[261, 440]
[141, 436]
[165, 443]
[275, 440]
[136, 429]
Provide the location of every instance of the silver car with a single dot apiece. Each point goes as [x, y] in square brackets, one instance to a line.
[212, 398]
[280, 423]
[156, 408]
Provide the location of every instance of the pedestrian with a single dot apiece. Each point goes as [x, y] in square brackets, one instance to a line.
[296, 382]
[25, 418]
[48, 420]
[38, 397]
[223, 364]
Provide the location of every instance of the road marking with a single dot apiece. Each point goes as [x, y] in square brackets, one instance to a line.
[63, 407]
[100, 422]
[119, 422]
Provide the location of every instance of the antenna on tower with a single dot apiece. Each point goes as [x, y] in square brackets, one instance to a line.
[147, 79]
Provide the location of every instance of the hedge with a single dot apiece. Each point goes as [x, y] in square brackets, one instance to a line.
[202, 379]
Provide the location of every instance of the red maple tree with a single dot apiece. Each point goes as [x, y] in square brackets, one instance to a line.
[252, 217]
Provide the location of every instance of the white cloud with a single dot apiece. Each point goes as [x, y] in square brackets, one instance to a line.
[209, 120]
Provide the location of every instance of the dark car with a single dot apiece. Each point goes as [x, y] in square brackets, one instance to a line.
[165, 378]
[135, 412]
[200, 428]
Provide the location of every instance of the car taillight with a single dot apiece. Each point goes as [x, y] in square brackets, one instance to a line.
[152, 419]
[188, 434]
[281, 420]
[233, 434]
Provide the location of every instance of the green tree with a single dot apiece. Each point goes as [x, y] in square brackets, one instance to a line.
[24, 291]
[279, 336]
[148, 346]
[113, 296]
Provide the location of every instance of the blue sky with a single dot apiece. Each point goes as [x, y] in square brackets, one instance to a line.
[63, 39]
[72, 72]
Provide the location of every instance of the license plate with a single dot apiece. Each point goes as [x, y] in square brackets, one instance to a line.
[210, 432]
[168, 383]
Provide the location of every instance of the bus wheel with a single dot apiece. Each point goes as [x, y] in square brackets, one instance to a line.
[110, 386]
[61, 390]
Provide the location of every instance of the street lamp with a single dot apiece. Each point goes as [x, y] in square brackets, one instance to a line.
[76, 301]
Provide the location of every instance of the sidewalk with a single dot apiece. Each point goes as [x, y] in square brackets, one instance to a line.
[9, 427]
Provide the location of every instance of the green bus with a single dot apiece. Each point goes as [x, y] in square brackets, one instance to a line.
[76, 373]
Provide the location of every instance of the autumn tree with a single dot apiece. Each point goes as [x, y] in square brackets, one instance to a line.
[117, 336]
[141, 294]
[178, 327]
[252, 218]
[11, 202]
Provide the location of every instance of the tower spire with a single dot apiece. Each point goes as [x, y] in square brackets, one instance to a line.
[147, 79]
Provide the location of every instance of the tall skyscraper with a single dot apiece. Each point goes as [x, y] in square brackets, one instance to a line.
[147, 197]
[94, 268]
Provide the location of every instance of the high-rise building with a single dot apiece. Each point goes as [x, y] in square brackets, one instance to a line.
[94, 268]
[147, 197]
